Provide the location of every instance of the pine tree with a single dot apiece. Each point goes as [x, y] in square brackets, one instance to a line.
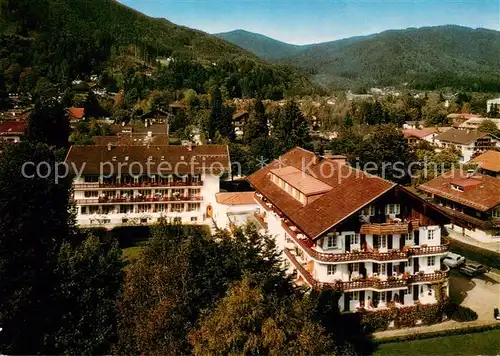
[48, 123]
[290, 128]
[257, 125]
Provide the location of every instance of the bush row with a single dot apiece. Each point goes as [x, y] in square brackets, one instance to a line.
[440, 333]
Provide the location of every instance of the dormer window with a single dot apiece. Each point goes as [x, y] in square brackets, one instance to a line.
[114, 158]
[126, 158]
[457, 187]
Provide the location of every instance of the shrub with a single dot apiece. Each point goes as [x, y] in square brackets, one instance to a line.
[460, 313]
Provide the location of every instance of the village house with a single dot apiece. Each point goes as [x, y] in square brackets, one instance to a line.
[240, 118]
[337, 227]
[489, 163]
[472, 200]
[491, 103]
[234, 209]
[181, 184]
[414, 136]
[12, 131]
[469, 142]
[75, 115]
[474, 123]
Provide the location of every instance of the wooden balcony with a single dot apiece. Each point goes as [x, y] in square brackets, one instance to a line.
[137, 185]
[428, 250]
[389, 228]
[123, 200]
[370, 283]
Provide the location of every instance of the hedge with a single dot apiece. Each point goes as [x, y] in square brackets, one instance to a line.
[477, 254]
[440, 333]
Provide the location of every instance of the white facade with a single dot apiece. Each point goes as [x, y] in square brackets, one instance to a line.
[190, 201]
[491, 102]
[226, 215]
[372, 279]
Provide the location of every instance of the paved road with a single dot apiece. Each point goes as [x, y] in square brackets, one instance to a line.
[481, 294]
[492, 246]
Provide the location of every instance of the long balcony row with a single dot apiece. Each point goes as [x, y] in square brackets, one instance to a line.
[390, 228]
[138, 199]
[137, 185]
[371, 283]
[393, 255]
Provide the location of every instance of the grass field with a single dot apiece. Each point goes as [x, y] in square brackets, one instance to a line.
[481, 343]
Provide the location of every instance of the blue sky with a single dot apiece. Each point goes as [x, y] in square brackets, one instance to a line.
[302, 21]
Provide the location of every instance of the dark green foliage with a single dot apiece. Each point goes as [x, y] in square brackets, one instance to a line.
[460, 313]
[89, 281]
[76, 38]
[4, 96]
[48, 123]
[257, 125]
[290, 128]
[57, 294]
[34, 222]
[385, 153]
[220, 117]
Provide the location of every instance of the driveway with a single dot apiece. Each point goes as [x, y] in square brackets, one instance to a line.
[481, 294]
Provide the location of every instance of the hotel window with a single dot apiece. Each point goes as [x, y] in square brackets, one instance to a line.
[382, 241]
[91, 194]
[430, 235]
[383, 269]
[355, 295]
[392, 209]
[177, 219]
[331, 241]
[178, 208]
[368, 211]
[196, 178]
[161, 192]
[355, 267]
[143, 208]
[331, 270]
[353, 238]
[408, 263]
[495, 213]
[160, 208]
[84, 210]
[194, 192]
[194, 219]
[193, 207]
[431, 261]
[383, 297]
[409, 237]
[303, 198]
[107, 209]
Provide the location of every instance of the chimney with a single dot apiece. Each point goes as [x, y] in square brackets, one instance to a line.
[189, 146]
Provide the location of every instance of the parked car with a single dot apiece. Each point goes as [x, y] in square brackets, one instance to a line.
[472, 269]
[453, 260]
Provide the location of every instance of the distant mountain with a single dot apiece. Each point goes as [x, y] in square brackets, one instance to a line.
[423, 58]
[263, 46]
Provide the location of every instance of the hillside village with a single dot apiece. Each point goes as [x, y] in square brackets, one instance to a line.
[168, 192]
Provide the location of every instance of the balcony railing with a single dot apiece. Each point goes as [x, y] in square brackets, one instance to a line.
[370, 283]
[137, 185]
[181, 198]
[393, 255]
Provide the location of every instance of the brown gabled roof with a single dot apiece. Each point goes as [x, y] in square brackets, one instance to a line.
[481, 192]
[236, 198]
[461, 137]
[239, 114]
[139, 128]
[350, 191]
[490, 161]
[163, 159]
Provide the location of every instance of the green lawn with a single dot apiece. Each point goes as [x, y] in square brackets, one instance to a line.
[131, 253]
[481, 343]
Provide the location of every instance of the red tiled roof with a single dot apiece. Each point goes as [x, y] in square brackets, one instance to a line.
[12, 127]
[490, 161]
[76, 113]
[419, 133]
[236, 198]
[169, 159]
[482, 192]
[350, 191]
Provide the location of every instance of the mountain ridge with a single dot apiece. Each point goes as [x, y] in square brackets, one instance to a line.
[425, 58]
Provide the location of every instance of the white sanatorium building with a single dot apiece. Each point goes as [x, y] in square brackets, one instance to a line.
[182, 184]
[339, 228]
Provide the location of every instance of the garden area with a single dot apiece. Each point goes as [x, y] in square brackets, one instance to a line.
[480, 343]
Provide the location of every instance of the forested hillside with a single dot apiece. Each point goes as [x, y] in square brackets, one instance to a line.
[66, 39]
[263, 46]
[424, 58]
